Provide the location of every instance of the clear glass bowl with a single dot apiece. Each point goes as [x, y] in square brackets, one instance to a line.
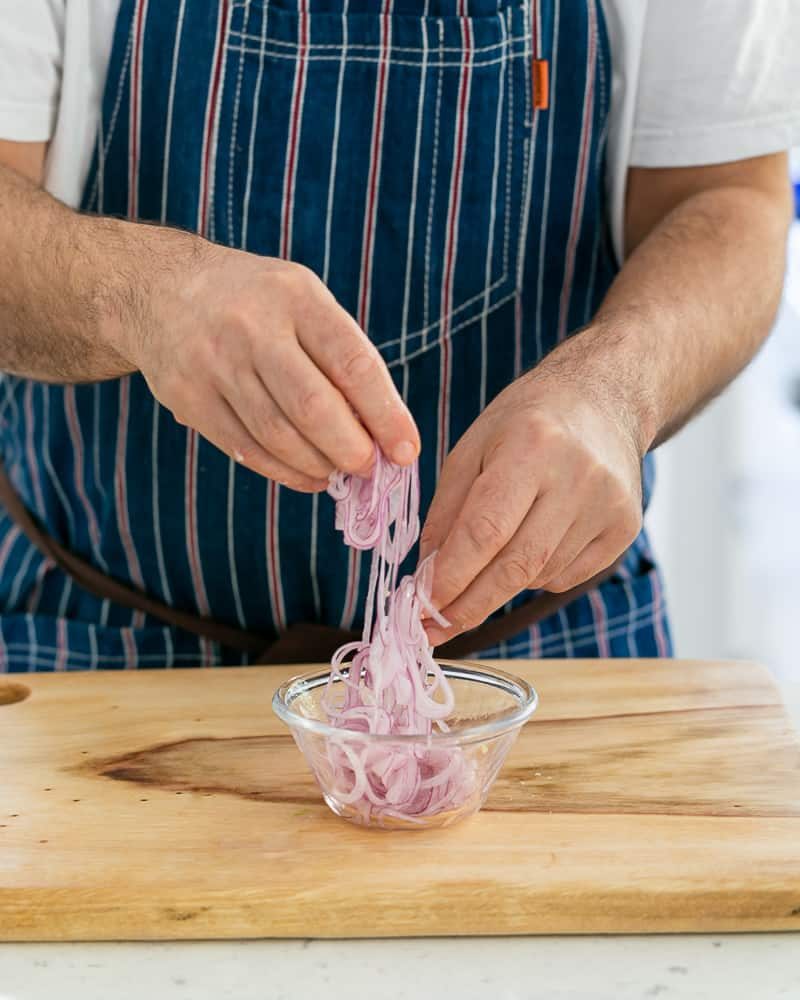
[446, 775]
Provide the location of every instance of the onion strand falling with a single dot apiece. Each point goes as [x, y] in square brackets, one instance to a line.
[392, 684]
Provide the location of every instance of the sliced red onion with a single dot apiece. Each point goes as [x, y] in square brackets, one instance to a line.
[392, 685]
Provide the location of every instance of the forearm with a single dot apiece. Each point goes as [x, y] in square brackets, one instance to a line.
[688, 310]
[65, 281]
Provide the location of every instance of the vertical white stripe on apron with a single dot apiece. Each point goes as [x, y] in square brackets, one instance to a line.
[237, 597]
[658, 617]
[98, 481]
[134, 124]
[31, 451]
[192, 541]
[5, 551]
[48, 463]
[582, 168]
[600, 616]
[295, 127]
[33, 643]
[253, 123]
[630, 633]
[569, 649]
[93, 657]
[154, 491]
[451, 238]
[289, 178]
[229, 520]
[412, 209]
[35, 596]
[19, 578]
[337, 118]
[533, 116]
[104, 142]
[235, 130]
[374, 173]
[368, 249]
[206, 187]
[598, 166]
[492, 215]
[170, 105]
[121, 492]
[432, 198]
[61, 641]
[204, 213]
[547, 176]
[134, 138]
[76, 440]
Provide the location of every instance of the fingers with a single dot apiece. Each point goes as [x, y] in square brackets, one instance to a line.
[513, 569]
[220, 425]
[316, 408]
[598, 555]
[267, 423]
[489, 518]
[589, 524]
[334, 341]
[458, 473]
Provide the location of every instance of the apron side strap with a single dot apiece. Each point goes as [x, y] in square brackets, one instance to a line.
[107, 588]
[536, 609]
[300, 643]
[308, 643]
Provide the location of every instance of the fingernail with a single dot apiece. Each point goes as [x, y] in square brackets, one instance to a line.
[404, 453]
[238, 456]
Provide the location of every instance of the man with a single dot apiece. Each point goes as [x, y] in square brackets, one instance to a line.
[524, 241]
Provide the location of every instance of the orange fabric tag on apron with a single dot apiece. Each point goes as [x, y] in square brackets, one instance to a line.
[541, 84]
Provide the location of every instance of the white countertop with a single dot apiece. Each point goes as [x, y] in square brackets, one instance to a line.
[678, 967]
[672, 967]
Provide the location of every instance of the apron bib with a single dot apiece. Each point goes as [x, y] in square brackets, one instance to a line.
[395, 150]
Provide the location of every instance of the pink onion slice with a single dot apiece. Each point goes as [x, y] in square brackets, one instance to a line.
[392, 684]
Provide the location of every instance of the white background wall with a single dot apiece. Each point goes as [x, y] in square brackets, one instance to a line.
[725, 519]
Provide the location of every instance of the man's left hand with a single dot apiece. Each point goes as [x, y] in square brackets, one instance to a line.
[543, 491]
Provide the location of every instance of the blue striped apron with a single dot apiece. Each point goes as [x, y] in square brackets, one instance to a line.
[397, 151]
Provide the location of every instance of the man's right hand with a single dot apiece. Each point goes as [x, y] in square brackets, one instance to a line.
[255, 354]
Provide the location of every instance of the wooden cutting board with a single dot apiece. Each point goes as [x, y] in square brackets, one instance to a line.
[643, 796]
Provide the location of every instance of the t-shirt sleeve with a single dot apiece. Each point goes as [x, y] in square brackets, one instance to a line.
[719, 81]
[31, 46]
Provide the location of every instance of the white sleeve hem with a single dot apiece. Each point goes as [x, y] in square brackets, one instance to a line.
[26, 122]
[720, 143]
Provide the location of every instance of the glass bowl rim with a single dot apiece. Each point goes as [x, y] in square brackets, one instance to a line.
[501, 722]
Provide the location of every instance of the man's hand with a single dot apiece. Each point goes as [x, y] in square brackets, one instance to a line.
[543, 491]
[252, 352]
[256, 354]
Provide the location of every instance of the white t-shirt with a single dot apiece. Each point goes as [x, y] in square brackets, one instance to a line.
[695, 82]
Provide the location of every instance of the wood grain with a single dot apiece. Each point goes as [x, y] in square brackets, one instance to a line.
[643, 796]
